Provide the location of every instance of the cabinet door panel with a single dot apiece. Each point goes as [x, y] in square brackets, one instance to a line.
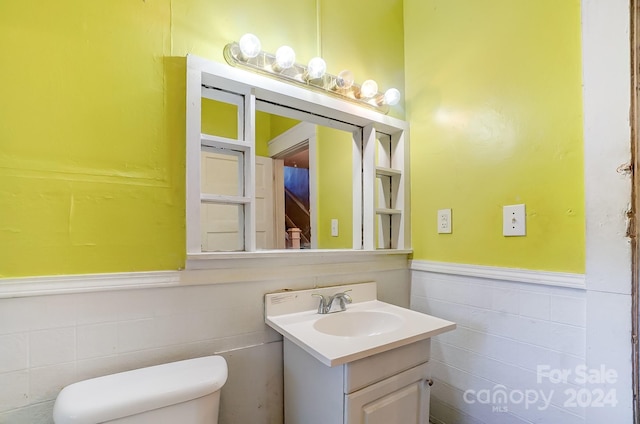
[402, 398]
[401, 406]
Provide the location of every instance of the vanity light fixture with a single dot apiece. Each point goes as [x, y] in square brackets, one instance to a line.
[285, 58]
[344, 80]
[316, 68]
[249, 46]
[392, 96]
[368, 89]
[247, 53]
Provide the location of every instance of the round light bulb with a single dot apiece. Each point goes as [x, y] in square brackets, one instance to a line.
[316, 68]
[285, 57]
[249, 46]
[344, 80]
[368, 89]
[392, 96]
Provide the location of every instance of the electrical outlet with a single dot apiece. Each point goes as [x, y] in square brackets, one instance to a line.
[514, 221]
[444, 221]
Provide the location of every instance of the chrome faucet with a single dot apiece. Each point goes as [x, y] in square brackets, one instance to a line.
[326, 302]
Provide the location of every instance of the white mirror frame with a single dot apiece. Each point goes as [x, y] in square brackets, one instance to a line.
[292, 101]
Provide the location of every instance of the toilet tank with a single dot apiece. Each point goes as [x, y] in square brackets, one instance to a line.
[187, 392]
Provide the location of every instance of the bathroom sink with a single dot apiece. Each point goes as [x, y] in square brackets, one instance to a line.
[358, 323]
[367, 326]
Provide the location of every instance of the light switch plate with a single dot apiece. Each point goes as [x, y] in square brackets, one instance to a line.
[514, 221]
[334, 228]
[444, 221]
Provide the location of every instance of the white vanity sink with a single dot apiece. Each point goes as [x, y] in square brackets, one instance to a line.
[352, 323]
[367, 327]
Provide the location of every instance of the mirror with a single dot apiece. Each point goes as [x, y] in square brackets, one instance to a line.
[303, 182]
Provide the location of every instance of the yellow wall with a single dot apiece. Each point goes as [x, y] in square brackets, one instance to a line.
[221, 119]
[92, 129]
[494, 102]
[367, 38]
[91, 168]
[335, 191]
[280, 124]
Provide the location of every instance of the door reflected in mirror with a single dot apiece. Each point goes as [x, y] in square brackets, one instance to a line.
[297, 206]
[303, 182]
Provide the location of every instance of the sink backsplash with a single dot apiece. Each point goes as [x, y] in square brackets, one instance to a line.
[289, 302]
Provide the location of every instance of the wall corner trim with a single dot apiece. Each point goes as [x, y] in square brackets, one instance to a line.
[82, 283]
[546, 278]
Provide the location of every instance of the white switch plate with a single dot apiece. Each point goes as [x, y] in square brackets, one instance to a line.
[444, 221]
[514, 221]
[334, 228]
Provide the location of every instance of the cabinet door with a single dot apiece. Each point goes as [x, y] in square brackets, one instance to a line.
[403, 398]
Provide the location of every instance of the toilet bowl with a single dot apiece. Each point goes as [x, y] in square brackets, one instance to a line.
[185, 392]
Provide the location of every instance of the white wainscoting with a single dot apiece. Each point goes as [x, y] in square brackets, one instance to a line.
[56, 330]
[510, 322]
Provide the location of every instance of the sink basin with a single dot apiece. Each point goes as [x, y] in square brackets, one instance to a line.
[368, 326]
[358, 323]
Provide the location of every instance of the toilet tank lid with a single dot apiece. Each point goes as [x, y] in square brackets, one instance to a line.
[133, 392]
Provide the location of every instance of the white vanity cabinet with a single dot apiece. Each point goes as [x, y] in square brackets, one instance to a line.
[367, 364]
[385, 388]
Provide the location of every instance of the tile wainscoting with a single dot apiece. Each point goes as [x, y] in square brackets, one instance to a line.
[517, 331]
[57, 334]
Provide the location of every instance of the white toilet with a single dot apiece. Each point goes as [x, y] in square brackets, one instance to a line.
[185, 392]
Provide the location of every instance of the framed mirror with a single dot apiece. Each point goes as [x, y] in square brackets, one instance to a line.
[272, 166]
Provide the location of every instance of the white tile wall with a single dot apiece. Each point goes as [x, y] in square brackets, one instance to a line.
[14, 352]
[14, 390]
[505, 331]
[52, 346]
[96, 340]
[48, 342]
[46, 382]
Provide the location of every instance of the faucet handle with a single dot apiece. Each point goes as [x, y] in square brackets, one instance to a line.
[322, 306]
[344, 295]
[343, 298]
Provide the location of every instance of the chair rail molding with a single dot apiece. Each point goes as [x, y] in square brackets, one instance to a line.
[216, 268]
[546, 278]
[82, 283]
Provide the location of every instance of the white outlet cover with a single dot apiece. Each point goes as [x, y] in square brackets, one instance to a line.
[444, 221]
[514, 221]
